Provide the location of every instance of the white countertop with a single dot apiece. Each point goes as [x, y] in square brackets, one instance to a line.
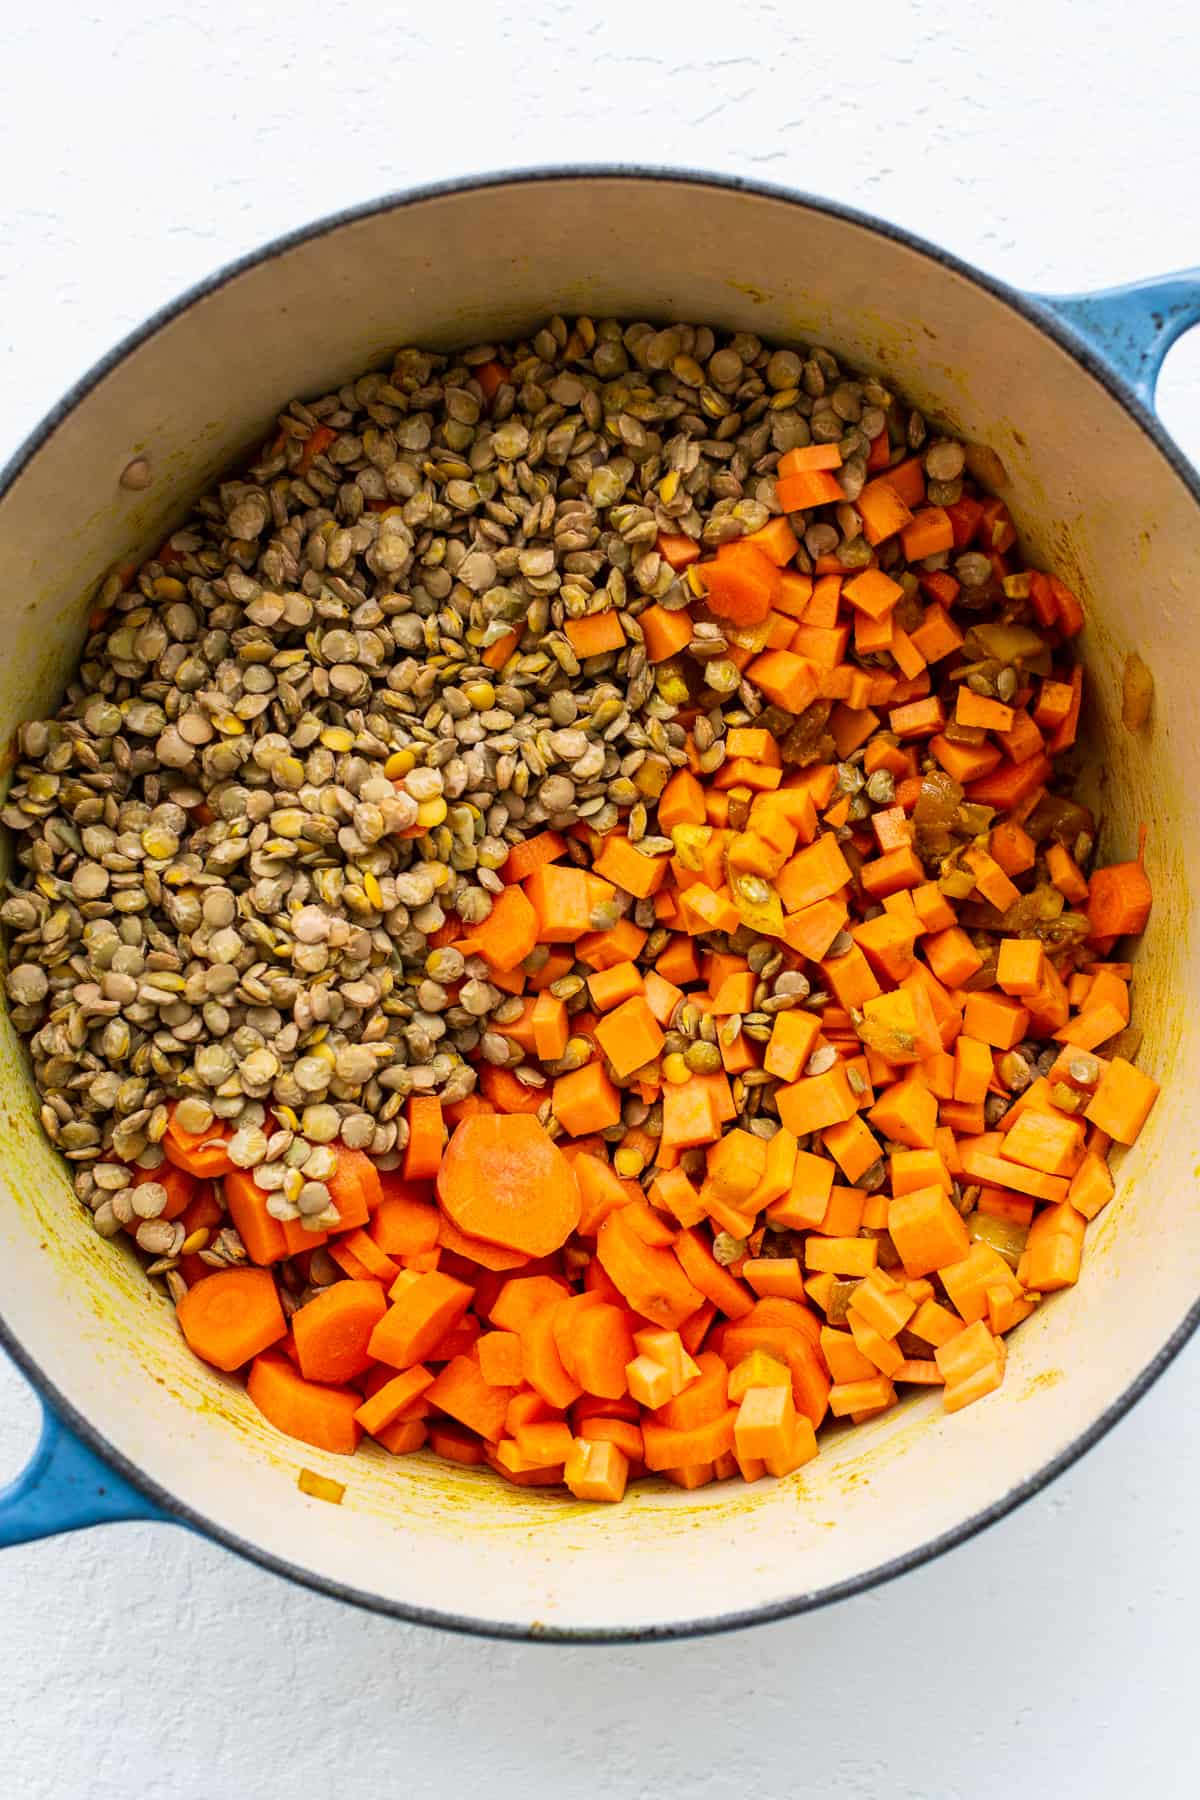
[143, 148]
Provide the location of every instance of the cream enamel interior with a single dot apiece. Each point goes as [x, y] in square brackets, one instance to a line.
[1093, 495]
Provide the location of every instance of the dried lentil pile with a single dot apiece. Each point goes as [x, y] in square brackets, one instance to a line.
[216, 905]
[304, 738]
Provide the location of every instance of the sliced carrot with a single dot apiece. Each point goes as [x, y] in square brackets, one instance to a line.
[316, 1414]
[707, 1276]
[460, 1390]
[262, 1235]
[667, 1448]
[542, 1364]
[478, 1250]
[603, 1347]
[355, 1187]
[392, 1398]
[418, 1317]
[231, 1317]
[504, 1180]
[332, 1330]
[650, 1279]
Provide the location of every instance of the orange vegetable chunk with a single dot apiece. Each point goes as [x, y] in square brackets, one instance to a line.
[231, 1316]
[504, 1179]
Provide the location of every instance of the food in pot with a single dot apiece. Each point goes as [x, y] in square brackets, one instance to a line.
[554, 916]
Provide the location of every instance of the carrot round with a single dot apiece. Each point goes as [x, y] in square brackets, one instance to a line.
[505, 1180]
[333, 1330]
[403, 1224]
[775, 1309]
[317, 1415]
[231, 1317]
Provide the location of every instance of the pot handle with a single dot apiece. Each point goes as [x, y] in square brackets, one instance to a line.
[65, 1486]
[1131, 328]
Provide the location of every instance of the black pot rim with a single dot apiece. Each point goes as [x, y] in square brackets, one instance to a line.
[1036, 314]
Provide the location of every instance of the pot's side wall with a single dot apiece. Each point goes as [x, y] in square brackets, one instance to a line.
[1096, 499]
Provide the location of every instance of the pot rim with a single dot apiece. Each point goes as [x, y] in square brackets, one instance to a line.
[1035, 312]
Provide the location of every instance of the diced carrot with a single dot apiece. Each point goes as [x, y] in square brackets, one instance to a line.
[970, 1281]
[816, 1101]
[785, 678]
[982, 1161]
[596, 634]
[1091, 1186]
[392, 1399]
[499, 1355]
[882, 510]
[530, 854]
[665, 633]
[677, 549]
[596, 1470]
[551, 1028]
[906, 1112]
[929, 532]
[1119, 900]
[976, 709]
[669, 1447]
[585, 1100]
[1019, 966]
[810, 456]
[841, 1256]
[995, 1019]
[917, 718]
[804, 488]
[461, 1391]
[952, 956]
[861, 1397]
[927, 1230]
[991, 880]
[624, 865]
[1053, 1250]
[1122, 1101]
[620, 943]
[650, 1279]
[708, 1278]
[563, 900]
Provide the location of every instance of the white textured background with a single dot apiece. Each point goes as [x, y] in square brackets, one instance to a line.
[1055, 145]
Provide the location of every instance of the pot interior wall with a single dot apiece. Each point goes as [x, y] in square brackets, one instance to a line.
[1095, 499]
